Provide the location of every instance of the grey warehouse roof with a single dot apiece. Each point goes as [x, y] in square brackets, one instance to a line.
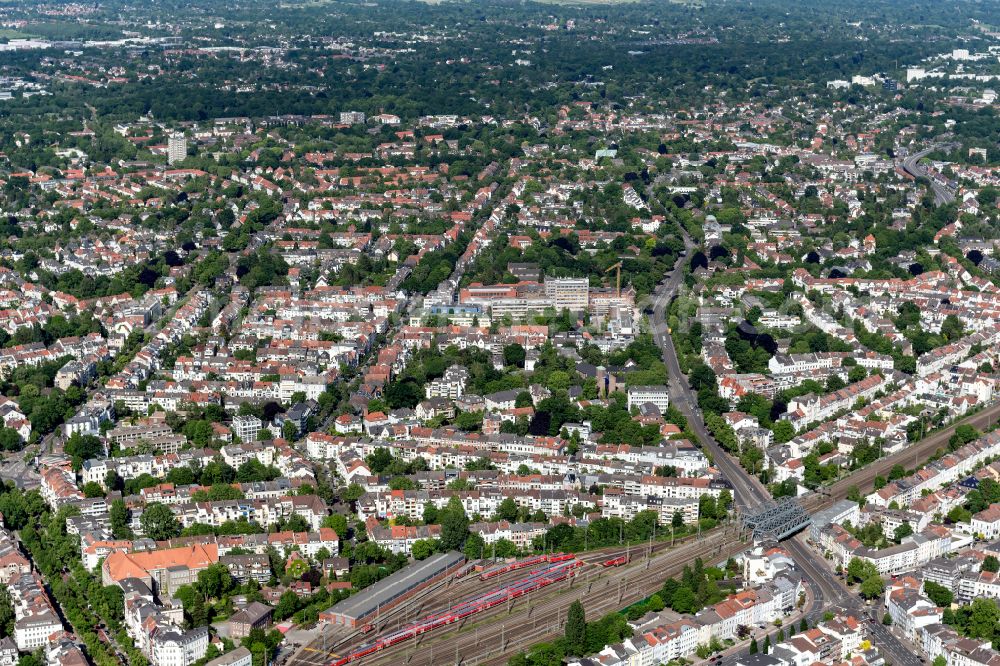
[386, 590]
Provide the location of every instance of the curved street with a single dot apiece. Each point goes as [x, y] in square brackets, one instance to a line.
[748, 491]
[911, 165]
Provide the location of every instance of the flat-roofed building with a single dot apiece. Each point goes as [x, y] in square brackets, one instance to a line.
[571, 294]
[390, 591]
[654, 395]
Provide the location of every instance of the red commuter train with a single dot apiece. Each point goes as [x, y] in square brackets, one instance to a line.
[558, 567]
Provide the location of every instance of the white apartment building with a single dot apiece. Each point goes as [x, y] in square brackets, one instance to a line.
[176, 148]
[247, 427]
[987, 522]
[451, 385]
[175, 647]
[352, 117]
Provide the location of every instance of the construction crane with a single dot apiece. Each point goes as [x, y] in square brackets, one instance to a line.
[618, 279]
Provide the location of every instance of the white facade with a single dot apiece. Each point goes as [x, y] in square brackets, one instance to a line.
[657, 395]
[247, 427]
[571, 294]
[176, 148]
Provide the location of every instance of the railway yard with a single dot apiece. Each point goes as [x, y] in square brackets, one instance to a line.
[484, 618]
[493, 633]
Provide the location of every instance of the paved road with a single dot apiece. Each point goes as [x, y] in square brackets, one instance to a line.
[748, 491]
[911, 165]
[493, 636]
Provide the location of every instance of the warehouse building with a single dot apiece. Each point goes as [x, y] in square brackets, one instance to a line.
[388, 592]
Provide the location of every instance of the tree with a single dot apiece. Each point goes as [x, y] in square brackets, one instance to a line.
[119, 515]
[859, 570]
[887, 620]
[684, 600]
[706, 506]
[939, 594]
[723, 503]
[158, 522]
[422, 549]
[966, 433]
[113, 482]
[217, 492]
[872, 587]
[10, 440]
[856, 374]
[951, 328]
[854, 494]
[254, 470]
[991, 564]
[803, 625]
[959, 514]
[469, 420]
[983, 617]
[217, 471]
[559, 380]
[454, 525]
[7, 616]
[767, 645]
[36, 658]
[194, 605]
[783, 431]
[296, 524]
[92, 489]
[474, 547]
[352, 493]
[754, 649]
[576, 628]
[514, 354]
[214, 581]
[80, 447]
[504, 548]
[834, 383]
[338, 523]
[507, 510]
[903, 531]
[288, 603]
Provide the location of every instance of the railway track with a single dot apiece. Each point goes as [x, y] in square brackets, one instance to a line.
[492, 636]
[600, 591]
[909, 457]
[443, 595]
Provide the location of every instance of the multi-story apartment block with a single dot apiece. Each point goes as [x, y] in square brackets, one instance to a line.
[176, 148]
[571, 294]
